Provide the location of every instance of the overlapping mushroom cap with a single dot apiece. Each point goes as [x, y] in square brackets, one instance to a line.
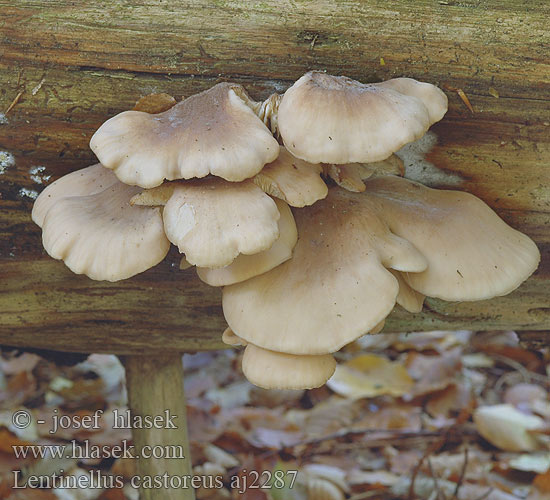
[212, 221]
[88, 222]
[445, 244]
[336, 286]
[248, 266]
[334, 119]
[213, 132]
[472, 253]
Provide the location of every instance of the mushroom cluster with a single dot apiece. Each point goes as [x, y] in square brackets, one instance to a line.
[296, 206]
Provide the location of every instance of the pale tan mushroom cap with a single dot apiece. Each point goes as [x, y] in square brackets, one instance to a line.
[277, 370]
[213, 132]
[102, 236]
[407, 298]
[334, 289]
[334, 119]
[212, 221]
[86, 181]
[248, 266]
[432, 97]
[350, 176]
[293, 180]
[472, 253]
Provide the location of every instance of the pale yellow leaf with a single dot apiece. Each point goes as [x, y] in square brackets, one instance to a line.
[368, 376]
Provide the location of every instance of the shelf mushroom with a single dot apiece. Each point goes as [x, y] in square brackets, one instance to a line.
[334, 119]
[208, 175]
[87, 221]
[213, 132]
[444, 244]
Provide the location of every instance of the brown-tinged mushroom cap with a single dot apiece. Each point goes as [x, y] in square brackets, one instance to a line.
[293, 180]
[247, 266]
[350, 176]
[278, 370]
[102, 236]
[336, 286]
[407, 298]
[83, 182]
[213, 132]
[334, 119]
[472, 253]
[229, 337]
[212, 221]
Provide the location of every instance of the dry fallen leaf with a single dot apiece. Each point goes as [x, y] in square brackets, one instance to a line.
[370, 375]
[507, 428]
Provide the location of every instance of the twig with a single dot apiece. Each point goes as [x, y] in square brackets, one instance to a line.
[462, 417]
[14, 102]
[462, 475]
[438, 491]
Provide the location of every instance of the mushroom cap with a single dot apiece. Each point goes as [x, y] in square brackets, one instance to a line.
[229, 337]
[350, 176]
[278, 370]
[101, 235]
[336, 286]
[83, 182]
[334, 119]
[213, 132]
[293, 180]
[472, 253]
[248, 266]
[409, 299]
[212, 221]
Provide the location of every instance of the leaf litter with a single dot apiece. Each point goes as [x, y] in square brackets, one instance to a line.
[430, 415]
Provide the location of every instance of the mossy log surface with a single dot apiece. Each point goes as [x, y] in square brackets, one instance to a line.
[66, 66]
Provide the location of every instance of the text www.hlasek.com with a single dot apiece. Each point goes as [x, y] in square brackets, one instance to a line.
[78, 451]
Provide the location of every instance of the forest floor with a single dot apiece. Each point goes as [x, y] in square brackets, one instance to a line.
[438, 415]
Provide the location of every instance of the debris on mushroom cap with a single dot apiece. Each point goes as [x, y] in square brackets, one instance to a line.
[247, 266]
[407, 298]
[472, 253]
[334, 119]
[86, 181]
[212, 221]
[213, 132]
[278, 370]
[336, 286]
[100, 234]
[293, 180]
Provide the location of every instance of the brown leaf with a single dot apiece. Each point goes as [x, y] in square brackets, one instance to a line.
[433, 373]
[451, 399]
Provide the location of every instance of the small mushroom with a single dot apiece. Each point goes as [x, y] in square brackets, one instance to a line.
[248, 266]
[293, 180]
[212, 221]
[214, 132]
[472, 253]
[350, 176]
[92, 227]
[334, 119]
[409, 299]
[279, 370]
[336, 286]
